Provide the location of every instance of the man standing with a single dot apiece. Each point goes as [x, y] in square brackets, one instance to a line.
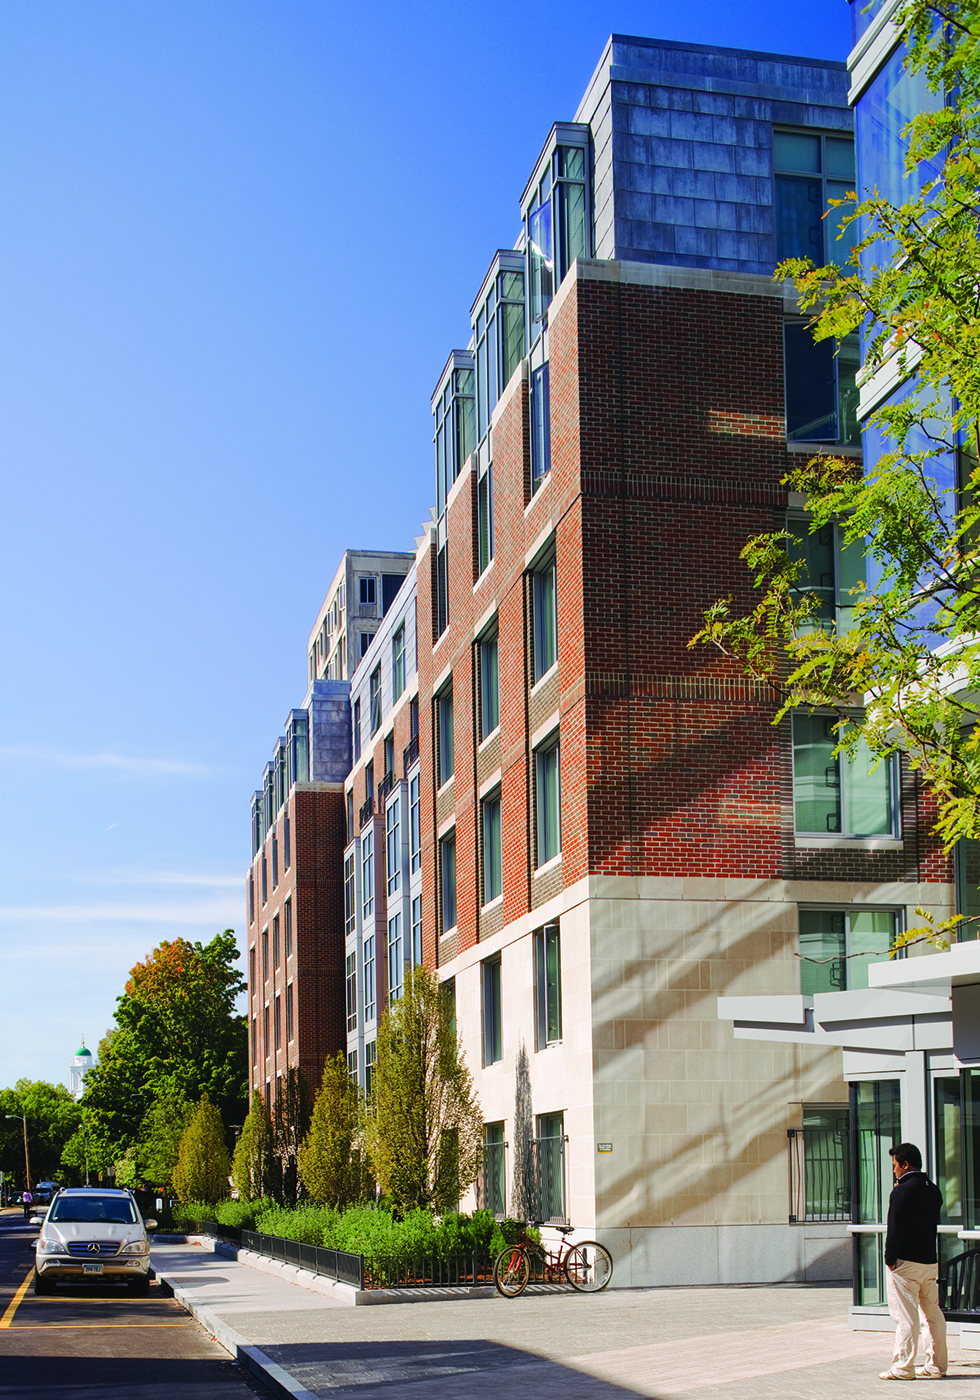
[910, 1254]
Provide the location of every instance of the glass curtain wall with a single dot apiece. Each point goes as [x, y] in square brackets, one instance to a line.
[454, 434]
[875, 1127]
[557, 228]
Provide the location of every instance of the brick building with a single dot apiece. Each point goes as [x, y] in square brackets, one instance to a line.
[589, 829]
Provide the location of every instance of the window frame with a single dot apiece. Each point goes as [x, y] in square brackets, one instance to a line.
[447, 859]
[415, 822]
[393, 854]
[376, 706]
[489, 643]
[843, 790]
[370, 978]
[398, 663]
[547, 993]
[396, 957]
[847, 911]
[445, 740]
[492, 1001]
[544, 641]
[350, 987]
[830, 250]
[491, 836]
[544, 800]
[367, 876]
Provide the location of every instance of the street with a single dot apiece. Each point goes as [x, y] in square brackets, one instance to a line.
[94, 1341]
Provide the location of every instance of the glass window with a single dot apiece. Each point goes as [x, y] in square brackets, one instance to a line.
[350, 914]
[367, 875]
[499, 340]
[968, 889]
[492, 849]
[370, 1060]
[366, 638]
[812, 168]
[351, 992]
[884, 110]
[484, 513]
[489, 685]
[298, 748]
[350, 814]
[826, 1164]
[548, 803]
[416, 930]
[875, 1126]
[494, 1170]
[265, 955]
[255, 1040]
[289, 1013]
[834, 572]
[287, 843]
[251, 969]
[393, 844]
[278, 1022]
[547, 985]
[447, 862]
[821, 387]
[356, 725]
[369, 784]
[369, 591]
[415, 824]
[442, 590]
[398, 663]
[447, 991]
[288, 911]
[352, 1064]
[376, 699]
[275, 941]
[369, 978]
[265, 881]
[839, 795]
[836, 946]
[557, 228]
[444, 710]
[551, 1165]
[454, 424]
[492, 1028]
[396, 958]
[251, 898]
[543, 605]
[275, 860]
[540, 414]
[266, 1045]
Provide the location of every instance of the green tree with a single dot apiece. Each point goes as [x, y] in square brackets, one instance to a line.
[332, 1162]
[177, 1034]
[290, 1124]
[250, 1161]
[911, 648]
[52, 1117]
[203, 1164]
[161, 1130]
[423, 1127]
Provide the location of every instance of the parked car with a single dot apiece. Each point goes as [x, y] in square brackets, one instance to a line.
[45, 1191]
[93, 1232]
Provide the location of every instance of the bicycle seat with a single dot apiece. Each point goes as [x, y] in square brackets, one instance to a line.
[563, 1229]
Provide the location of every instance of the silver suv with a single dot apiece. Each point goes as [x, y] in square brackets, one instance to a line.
[91, 1232]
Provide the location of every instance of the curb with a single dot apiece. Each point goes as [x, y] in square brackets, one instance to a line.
[252, 1358]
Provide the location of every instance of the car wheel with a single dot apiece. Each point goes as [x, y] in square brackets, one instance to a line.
[140, 1287]
[42, 1287]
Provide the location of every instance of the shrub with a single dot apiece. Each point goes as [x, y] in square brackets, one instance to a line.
[240, 1214]
[307, 1224]
[203, 1163]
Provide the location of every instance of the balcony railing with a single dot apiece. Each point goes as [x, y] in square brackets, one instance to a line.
[411, 753]
[384, 787]
[367, 811]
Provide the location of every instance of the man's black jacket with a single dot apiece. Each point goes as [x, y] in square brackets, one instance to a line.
[913, 1215]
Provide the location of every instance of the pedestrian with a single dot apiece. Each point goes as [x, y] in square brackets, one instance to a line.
[28, 1200]
[910, 1255]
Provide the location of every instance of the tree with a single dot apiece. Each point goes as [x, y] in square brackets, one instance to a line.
[162, 1128]
[52, 1117]
[331, 1158]
[525, 1188]
[423, 1127]
[203, 1165]
[250, 1161]
[290, 1123]
[910, 653]
[177, 1034]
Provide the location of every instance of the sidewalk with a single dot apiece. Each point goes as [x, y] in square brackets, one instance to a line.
[734, 1343]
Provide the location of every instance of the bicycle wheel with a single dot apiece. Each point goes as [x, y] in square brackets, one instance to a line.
[588, 1266]
[511, 1271]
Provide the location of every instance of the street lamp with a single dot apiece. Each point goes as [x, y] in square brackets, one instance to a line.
[27, 1160]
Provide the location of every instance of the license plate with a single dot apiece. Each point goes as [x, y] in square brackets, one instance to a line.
[91, 1268]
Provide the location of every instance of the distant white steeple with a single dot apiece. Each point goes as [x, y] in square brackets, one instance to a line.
[77, 1070]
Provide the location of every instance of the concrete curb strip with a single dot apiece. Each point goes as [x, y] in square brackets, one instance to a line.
[251, 1357]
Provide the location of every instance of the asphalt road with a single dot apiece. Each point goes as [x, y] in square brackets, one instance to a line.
[95, 1342]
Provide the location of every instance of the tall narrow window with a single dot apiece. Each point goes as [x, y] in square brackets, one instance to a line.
[454, 422]
[540, 412]
[494, 1169]
[444, 709]
[447, 861]
[389, 754]
[834, 573]
[286, 844]
[415, 824]
[489, 685]
[369, 784]
[492, 1027]
[811, 170]
[557, 228]
[289, 1013]
[416, 930]
[265, 955]
[266, 1045]
[447, 991]
[275, 941]
[367, 875]
[278, 1022]
[350, 913]
[288, 912]
[492, 849]
[255, 1040]
[396, 958]
[251, 898]
[356, 727]
[369, 978]
[547, 985]
[551, 1165]
[548, 803]
[839, 795]
[393, 843]
[398, 663]
[251, 969]
[350, 814]
[545, 618]
[265, 882]
[352, 1064]
[484, 513]
[442, 590]
[376, 699]
[413, 716]
[351, 992]
[370, 1060]
[821, 387]
[275, 860]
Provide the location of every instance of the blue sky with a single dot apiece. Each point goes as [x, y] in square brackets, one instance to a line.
[237, 240]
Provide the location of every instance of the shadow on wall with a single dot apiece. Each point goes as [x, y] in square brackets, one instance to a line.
[657, 1016]
[476, 1369]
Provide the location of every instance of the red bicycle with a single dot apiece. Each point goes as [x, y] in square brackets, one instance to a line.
[587, 1266]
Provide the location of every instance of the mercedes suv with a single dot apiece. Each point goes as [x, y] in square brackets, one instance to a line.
[93, 1232]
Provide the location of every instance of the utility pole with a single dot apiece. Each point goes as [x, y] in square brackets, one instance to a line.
[27, 1160]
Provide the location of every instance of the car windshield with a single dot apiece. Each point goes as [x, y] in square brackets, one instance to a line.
[84, 1210]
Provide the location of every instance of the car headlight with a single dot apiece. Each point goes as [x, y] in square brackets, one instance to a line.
[140, 1247]
[50, 1247]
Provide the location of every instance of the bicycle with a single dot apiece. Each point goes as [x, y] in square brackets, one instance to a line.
[587, 1266]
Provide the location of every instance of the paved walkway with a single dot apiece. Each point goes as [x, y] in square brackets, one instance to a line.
[734, 1343]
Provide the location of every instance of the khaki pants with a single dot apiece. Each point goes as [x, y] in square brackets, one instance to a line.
[912, 1287]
